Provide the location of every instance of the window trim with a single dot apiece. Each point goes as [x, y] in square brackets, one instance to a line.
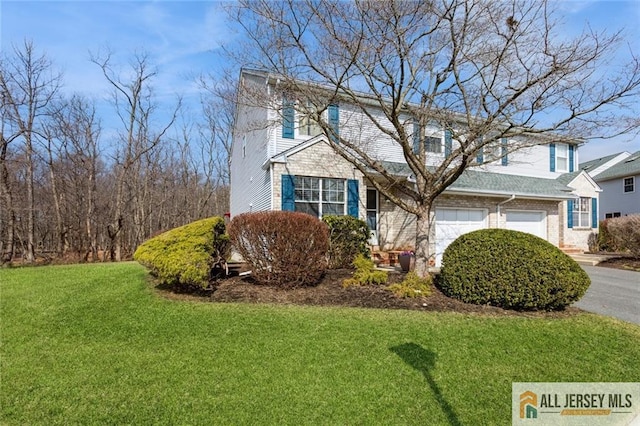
[321, 190]
[633, 185]
[558, 156]
[578, 223]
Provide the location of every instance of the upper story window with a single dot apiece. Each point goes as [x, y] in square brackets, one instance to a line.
[295, 116]
[628, 184]
[433, 144]
[307, 126]
[562, 157]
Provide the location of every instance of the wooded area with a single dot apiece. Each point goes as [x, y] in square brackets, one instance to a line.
[69, 190]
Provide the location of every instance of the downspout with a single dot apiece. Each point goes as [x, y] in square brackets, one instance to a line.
[513, 197]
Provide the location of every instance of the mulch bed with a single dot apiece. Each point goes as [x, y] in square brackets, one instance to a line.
[627, 263]
[330, 292]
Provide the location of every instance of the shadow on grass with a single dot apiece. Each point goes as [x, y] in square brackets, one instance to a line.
[424, 361]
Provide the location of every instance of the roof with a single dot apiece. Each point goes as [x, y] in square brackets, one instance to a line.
[594, 164]
[627, 167]
[474, 181]
[566, 178]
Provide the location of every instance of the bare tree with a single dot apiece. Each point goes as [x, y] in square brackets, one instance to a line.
[134, 105]
[219, 100]
[482, 70]
[28, 85]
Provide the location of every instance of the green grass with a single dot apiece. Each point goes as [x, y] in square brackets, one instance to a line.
[94, 344]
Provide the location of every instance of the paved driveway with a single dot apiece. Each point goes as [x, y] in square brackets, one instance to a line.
[613, 292]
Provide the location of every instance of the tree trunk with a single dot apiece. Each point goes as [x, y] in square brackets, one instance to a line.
[9, 250]
[423, 239]
[30, 254]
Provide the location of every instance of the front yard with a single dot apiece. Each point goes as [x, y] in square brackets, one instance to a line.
[95, 344]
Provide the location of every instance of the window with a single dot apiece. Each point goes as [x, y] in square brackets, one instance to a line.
[611, 215]
[562, 157]
[628, 184]
[433, 144]
[319, 196]
[581, 212]
[307, 126]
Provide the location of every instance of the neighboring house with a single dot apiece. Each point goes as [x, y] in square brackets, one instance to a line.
[619, 176]
[287, 164]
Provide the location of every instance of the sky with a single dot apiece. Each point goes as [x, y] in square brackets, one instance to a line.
[184, 39]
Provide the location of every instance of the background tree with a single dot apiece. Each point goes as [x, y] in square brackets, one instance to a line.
[482, 70]
[28, 85]
[134, 105]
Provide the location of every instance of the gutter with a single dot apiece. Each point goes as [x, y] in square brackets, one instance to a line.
[513, 197]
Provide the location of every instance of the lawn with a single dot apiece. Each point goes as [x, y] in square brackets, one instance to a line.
[96, 344]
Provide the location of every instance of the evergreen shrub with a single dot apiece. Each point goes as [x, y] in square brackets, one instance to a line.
[412, 286]
[348, 237]
[365, 274]
[184, 256]
[286, 249]
[511, 269]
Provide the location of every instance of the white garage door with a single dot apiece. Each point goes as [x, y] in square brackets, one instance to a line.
[532, 222]
[451, 223]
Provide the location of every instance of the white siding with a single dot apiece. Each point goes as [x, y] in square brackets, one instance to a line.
[250, 184]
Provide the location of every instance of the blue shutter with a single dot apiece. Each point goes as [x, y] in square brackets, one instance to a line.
[570, 213]
[480, 156]
[571, 147]
[288, 119]
[288, 193]
[334, 122]
[352, 197]
[505, 160]
[552, 157]
[416, 138]
[594, 212]
[448, 145]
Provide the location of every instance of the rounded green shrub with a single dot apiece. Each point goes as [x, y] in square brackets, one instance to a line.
[185, 255]
[348, 238]
[511, 269]
[283, 248]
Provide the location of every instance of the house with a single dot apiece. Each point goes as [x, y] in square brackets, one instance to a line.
[618, 175]
[280, 160]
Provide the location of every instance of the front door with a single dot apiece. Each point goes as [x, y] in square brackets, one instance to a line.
[372, 215]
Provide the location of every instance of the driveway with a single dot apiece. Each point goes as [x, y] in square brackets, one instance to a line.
[613, 292]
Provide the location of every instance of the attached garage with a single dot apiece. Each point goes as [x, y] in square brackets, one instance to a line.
[451, 223]
[532, 222]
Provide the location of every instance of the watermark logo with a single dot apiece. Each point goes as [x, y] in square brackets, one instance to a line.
[528, 405]
[538, 404]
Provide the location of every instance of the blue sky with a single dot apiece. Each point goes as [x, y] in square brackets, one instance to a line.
[184, 39]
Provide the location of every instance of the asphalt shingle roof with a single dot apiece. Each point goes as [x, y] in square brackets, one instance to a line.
[499, 183]
[594, 164]
[628, 167]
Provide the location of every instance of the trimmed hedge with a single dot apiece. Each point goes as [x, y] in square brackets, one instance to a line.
[185, 255]
[348, 238]
[511, 269]
[283, 248]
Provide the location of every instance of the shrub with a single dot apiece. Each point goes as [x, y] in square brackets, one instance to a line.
[287, 249]
[348, 237]
[185, 255]
[365, 274]
[625, 233]
[605, 241]
[511, 269]
[412, 286]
